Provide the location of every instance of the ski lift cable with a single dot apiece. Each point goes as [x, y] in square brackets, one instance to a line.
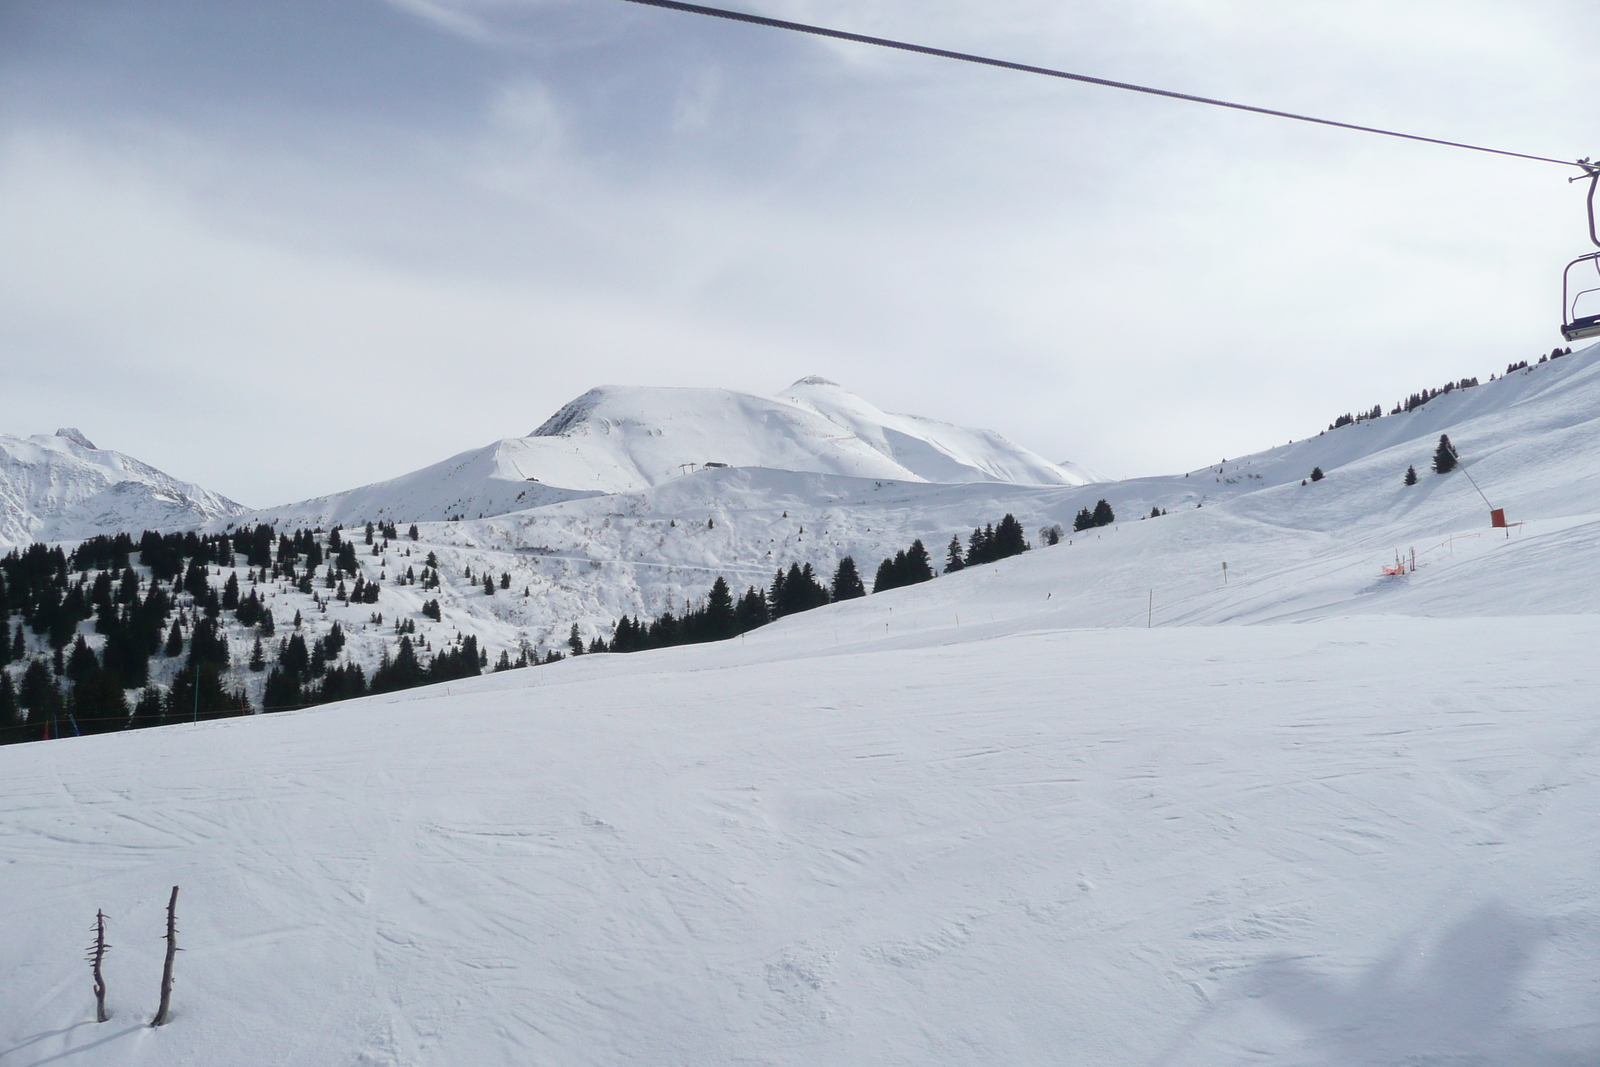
[1026, 68]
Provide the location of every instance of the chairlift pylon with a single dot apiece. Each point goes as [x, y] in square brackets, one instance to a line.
[1574, 326]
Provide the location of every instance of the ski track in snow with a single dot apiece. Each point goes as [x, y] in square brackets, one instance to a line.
[1352, 840]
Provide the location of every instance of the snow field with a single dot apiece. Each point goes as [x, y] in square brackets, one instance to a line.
[1347, 841]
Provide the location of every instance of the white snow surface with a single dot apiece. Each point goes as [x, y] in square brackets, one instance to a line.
[625, 439]
[60, 487]
[1094, 804]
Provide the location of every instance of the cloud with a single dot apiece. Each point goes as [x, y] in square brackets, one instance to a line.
[449, 218]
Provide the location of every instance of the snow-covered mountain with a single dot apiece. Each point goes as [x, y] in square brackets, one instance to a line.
[1049, 809]
[626, 439]
[1531, 440]
[60, 487]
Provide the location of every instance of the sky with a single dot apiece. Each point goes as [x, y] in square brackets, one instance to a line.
[283, 249]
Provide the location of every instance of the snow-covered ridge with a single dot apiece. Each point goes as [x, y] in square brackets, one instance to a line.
[1531, 440]
[60, 487]
[627, 439]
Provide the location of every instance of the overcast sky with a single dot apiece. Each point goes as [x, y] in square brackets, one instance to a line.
[287, 248]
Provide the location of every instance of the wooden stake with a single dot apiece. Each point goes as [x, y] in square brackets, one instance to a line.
[97, 953]
[172, 950]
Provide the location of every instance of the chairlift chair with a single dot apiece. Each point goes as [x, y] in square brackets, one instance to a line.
[1574, 326]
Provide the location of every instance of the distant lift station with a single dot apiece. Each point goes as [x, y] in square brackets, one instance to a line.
[1573, 325]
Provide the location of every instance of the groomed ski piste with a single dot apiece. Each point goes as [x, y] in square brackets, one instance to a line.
[1098, 803]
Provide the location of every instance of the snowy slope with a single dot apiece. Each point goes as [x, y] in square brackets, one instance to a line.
[928, 450]
[60, 487]
[1531, 441]
[478, 482]
[1334, 843]
[622, 439]
[1048, 810]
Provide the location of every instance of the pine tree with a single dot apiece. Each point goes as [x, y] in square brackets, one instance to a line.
[887, 576]
[953, 559]
[147, 709]
[97, 704]
[412, 533]
[1103, 515]
[174, 646]
[488, 586]
[813, 593]
[1411, 476]
[796, 592]
[719, 621]
[575, 640]
[1009, 539]
[775, 597]
[82, 662]
[918, 567]
[208, 645]
[258, 658]
[1445, 456]
[36, 685]
[282, 691]
[293, 656]
[11, 726]
[752, 611]
[976, 548]
[1316, 474]
[847, 582]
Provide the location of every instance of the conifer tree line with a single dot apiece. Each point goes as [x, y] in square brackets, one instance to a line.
[1416, 400]
[58, 684]
[1102, 515]
[798, 589]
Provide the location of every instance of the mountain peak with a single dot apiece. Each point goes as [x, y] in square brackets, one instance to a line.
[571, 413]
[816, 379]
[61, 487]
